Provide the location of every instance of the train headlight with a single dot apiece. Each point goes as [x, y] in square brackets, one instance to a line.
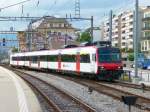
[119, 67]
[102, 67]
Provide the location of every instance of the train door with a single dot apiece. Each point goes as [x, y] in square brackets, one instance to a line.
[59, 62]
[93, 62]
[30, 59]
[17, 60]
[78, 62]
[38, 59]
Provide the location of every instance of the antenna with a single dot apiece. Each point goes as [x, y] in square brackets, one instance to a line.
[77, 8]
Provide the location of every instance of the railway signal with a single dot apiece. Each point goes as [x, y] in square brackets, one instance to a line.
[4, 41]
[129, 100]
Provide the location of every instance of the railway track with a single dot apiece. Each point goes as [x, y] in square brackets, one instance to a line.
[58, 100]
[130, 85]
[141, 103]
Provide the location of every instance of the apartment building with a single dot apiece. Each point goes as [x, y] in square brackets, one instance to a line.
[127, 30]
[122, 30]
[145, 39]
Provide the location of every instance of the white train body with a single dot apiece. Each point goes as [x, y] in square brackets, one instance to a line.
[89, 67]
[88, 60]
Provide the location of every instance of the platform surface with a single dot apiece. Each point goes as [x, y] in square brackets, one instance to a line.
[15, 94]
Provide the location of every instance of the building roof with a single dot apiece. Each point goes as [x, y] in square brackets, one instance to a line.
[39, 24]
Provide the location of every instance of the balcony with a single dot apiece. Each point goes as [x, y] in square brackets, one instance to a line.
[146, 38]
[146, 28]
[146, 19]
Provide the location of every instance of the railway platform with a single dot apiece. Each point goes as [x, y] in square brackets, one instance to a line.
[15, 94]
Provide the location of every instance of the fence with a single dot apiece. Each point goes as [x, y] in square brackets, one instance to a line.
[143, 75]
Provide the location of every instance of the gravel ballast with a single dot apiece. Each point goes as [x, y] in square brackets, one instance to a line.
[100, 102]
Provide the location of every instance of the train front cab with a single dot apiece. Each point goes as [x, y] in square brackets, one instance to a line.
[109, 63]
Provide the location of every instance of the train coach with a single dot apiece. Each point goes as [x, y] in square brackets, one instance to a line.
[103, 63]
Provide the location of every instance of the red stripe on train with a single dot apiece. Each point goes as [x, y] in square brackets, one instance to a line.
[78, 63]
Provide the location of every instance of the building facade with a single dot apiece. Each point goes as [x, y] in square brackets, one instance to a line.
[123, 29]
[21, 35]
[145, 43]
[48, 33]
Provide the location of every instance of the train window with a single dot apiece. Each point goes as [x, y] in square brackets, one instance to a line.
[27, 58]
[19, 58]
[34, 59]
[43, 58]
[85, 58]
[14, 58]
[52, 58]
[22, 58]
[68, 58]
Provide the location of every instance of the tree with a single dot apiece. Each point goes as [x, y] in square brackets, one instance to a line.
[123, 50]
[131, 57]
[14, 50]
[85, 37]
[130, 50]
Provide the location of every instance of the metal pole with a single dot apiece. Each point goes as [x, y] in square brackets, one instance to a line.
[136, 28]
[28, 39]
[91, 28]
[18, 45]
[110, 26]
[29, 36]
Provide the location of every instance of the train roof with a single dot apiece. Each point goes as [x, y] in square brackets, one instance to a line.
[57, 51]
[74, 50]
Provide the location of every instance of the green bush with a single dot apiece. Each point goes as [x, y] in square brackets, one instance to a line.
[131, 57]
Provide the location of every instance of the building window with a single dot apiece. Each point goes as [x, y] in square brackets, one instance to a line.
[123, 37]
[51, 25]
[131, 29]
[123, 44]
[60, 25]
[131, 16]
[123, 25]
[116, 45]
[147, 14]
[65, 25]
[123, 19]
[130, 36]
[147, 24]
[131, 43]
[147, 34]
[131, 23]
[123, 31]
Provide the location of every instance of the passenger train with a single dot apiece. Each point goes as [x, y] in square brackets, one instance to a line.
[103, 63]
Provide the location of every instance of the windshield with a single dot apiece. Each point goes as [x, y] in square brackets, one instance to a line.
[109, 55]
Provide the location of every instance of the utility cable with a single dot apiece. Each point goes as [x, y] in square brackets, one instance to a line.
[14, 5]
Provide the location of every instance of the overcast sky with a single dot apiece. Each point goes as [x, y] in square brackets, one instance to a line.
[97, 8]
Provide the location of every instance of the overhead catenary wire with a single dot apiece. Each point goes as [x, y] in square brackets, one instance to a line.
[14, 5]
[126, 6]
[54, 3]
